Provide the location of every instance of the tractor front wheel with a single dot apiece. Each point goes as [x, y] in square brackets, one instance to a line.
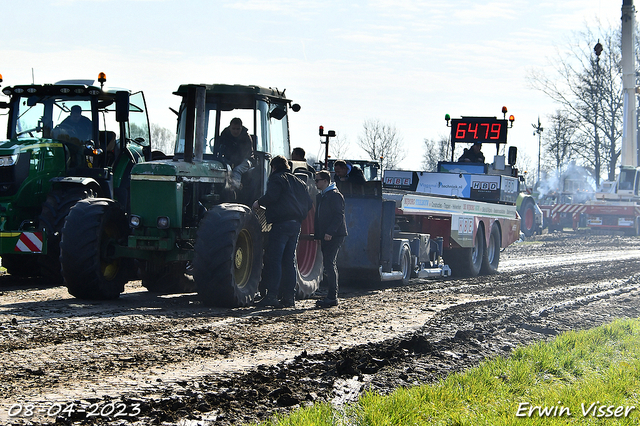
[228, 256]
[89, 269]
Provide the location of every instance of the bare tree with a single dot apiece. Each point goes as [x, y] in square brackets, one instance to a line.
[381, 142]
[559, 141]
[339, 147]
[526, 168]
[589, 88]
[436, 150]
[162, 138]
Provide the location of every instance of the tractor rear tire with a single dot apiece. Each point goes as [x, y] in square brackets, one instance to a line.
[87, 267]
[308, 260]
[228, 256]
[54, 212]
[491, 257]
[528, 218]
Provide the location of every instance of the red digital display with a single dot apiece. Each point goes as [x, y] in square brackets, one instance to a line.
[479, 129]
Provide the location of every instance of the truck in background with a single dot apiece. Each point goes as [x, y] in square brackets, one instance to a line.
[617, 206]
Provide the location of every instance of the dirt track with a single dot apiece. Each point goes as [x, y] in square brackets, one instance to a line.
[169, 359]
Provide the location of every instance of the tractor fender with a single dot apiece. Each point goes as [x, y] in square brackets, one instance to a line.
[67, 181]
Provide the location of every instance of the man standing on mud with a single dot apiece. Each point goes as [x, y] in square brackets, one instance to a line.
[330, 229]
[287, 202]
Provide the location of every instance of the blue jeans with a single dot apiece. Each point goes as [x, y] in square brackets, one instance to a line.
[279, 271]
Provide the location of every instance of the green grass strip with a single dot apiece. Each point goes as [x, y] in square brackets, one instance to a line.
[590, 377]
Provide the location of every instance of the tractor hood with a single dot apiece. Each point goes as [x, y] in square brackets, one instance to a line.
[15, 146]
[181, 171]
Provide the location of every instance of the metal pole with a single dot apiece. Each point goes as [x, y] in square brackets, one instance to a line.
[537, 130]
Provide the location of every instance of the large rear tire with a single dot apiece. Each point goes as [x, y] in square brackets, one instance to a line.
[528, 216]
[308, 259]
[54, 212]
[228, 256]
[491, 257]
[88, 268]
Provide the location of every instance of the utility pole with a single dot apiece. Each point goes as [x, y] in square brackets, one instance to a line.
[537, 130]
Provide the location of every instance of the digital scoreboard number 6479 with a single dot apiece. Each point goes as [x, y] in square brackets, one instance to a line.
[479, 129]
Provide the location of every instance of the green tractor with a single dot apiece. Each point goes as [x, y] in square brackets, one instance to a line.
[188, 228]
[67, 141]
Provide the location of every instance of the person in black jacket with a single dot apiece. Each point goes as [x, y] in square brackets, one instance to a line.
[236, 147]
[345, 172]
[330, 229]
[299, 154]
[473, 154]
[287, 202]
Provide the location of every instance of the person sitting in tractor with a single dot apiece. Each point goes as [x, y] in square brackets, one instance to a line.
[235, 147]
[77, 125]
[299, 154]
[473, 154]
[345, 172]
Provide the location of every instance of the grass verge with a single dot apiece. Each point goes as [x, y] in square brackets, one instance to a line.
[590, 377]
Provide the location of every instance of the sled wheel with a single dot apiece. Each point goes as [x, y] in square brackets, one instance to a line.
[491, 256]
[466, 262]
[405, 264]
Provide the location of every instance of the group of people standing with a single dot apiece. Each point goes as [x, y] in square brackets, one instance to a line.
[287, 203]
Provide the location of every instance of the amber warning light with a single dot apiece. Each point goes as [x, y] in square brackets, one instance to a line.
[102, 78]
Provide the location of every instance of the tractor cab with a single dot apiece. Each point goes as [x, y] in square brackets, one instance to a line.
[82, 117]
[237, 128]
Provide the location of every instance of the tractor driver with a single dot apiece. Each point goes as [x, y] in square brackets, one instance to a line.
[77, 125]
[236, 147]
[473, 154]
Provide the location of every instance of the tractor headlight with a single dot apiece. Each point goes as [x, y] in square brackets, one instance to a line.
[8, 160]
[134, 221]
[163, 222]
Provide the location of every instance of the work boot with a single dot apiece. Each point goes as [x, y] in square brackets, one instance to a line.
[326, 303]
[288, 302]
[269, 301]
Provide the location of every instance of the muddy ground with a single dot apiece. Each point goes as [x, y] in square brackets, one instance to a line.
[148, 359]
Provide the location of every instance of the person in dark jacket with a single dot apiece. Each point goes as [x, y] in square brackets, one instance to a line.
[345, 172]
[330, 229]
[473, 154]
[299, 154]
[236, 147]
[287, 204]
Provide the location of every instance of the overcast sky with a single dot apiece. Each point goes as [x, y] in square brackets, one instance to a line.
[406, 63]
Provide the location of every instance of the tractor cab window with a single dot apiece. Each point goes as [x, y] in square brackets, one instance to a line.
[59, 118]
[138, 122]
[627, 179]
[279, 130]
[227, 130]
